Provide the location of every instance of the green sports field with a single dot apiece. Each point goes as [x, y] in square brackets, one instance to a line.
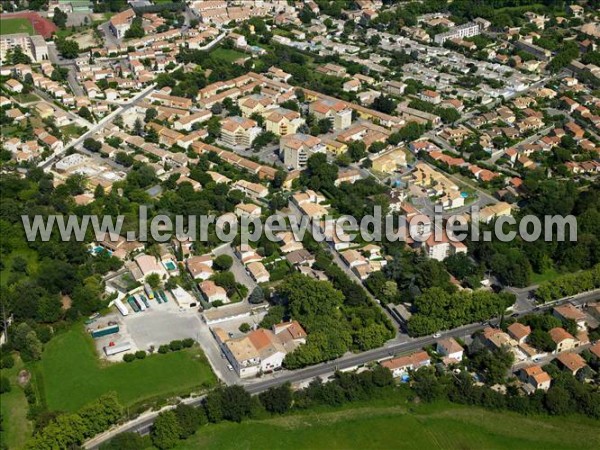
[16, 25]
[387, 426]
[71, 375]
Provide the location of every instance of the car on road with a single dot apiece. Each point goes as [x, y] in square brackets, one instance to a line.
[437, 334]
[230, 367]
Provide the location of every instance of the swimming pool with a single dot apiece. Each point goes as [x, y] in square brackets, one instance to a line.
[170, 265]
[99, 249]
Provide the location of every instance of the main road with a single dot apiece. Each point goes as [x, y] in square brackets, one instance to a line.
[143, 423]
[98, 126]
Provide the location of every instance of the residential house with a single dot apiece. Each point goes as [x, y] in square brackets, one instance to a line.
[572, 362]
[258, 272]
[450, 349]
[212, 292]
[570, 312]
[563, 340]
[536, 378]
[402, 365]
[519, 332]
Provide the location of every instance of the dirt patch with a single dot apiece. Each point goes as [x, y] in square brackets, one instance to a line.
[85, 40]
[23, 377]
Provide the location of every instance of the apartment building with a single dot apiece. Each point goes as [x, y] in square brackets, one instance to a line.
[335, 110]
[462, 31]
[33, 46]
[296, 149]
[238, 131]
[282, 121]
[121, 22]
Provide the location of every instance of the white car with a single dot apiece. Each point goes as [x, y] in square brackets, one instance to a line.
[230, 367]
[437, 335]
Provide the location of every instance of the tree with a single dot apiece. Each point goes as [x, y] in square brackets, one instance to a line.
[541, 340]
[257, 295]
[223, 262]
[136, 30]
[166, 430]
[151, 114]
[60, 18]
[127, 441]
[92, 145]
[384, 104]
[245, 327]
[277, 400]
[138, 127]
[68, 48]
[357, 150]
[558, 401]
[4, 385]
[189, 419]
[153, 280]
[86, 114]
[232, 403]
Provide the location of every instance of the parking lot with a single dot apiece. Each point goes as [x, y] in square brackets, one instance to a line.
[157, 325]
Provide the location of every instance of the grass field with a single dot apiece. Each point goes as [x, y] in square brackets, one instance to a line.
[549, 274]
[26, 98]
[226, 54]
[16, 428]
[386, 426]
[16, 25]
[71, 375]
[26, 253]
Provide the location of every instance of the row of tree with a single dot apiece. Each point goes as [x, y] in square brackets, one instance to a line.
[71, 430]
[569, 284]
[437, 309]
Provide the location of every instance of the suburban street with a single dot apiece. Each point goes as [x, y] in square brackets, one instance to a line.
[400, 345]
[106, 120]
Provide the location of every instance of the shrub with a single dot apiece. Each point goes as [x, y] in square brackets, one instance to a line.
[7, 362]
[163, 349]
[187, 343]
[245, 327]
[140, 354]
[128, 357]
[175, 345]
[4, 385]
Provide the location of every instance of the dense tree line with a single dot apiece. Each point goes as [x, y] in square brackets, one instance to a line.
[71, 430]
[566, 396]
[335, 322]
[569, 284]
[437, 309]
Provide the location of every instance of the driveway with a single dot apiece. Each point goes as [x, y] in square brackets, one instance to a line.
[237, 268]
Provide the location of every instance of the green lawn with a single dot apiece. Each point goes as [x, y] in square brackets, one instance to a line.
[227, 55]
[16, 25]
[26, 98]
[26, 253]
[70, 131]
[71, 374]
[379, 426]
[549, 274]
[16, 428]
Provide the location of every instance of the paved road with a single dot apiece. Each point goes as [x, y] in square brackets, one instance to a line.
[400, 345]
[106, 120]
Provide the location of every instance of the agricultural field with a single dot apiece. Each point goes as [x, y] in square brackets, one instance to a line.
[16, 25]
[384, 425]
[70, 374]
